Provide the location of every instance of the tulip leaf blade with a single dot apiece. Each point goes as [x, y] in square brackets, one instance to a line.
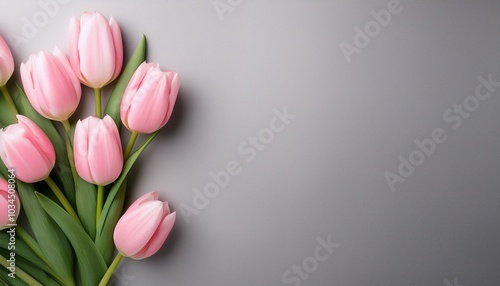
[86, 198]
[113, 206]
[5, 113]
[61, 167]
[49, 236]
[28, 267]
[90, 261]
[6, 280]
[113, 106]
[24, 251]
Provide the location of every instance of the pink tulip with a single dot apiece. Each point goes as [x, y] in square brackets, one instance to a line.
[50, 84]
[26, 149]
[10, 205]
[98, 150]
[144, 227]
[95, 49]
[6, 62]
[149, 98]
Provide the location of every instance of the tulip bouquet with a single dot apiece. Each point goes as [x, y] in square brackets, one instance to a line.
[72, 187]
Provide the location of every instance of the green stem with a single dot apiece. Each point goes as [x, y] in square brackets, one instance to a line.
[100, 199]
[36, 249]
[111, 269]
[69, 149]
[130, 145]
[10, 102]
[98, 108]
[20, 273]
[60, 196]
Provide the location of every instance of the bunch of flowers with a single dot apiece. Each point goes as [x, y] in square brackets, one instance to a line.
[72, 188]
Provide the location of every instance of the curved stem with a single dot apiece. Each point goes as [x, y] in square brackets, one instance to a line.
[100, 199]
[10, 102]
[98, 108]
[19, 273]
[111, 269]
[69, 149]
[36, 249]
[60, 196]
[130, 145]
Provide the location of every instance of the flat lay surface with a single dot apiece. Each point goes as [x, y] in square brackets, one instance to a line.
[312, 142]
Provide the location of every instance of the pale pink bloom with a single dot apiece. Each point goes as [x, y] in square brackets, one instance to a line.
[98, 150]
[6, 62]
[26, 149]
[50, 84]
[144, 227]
[149, 98]
[9, 204]
[95, 49]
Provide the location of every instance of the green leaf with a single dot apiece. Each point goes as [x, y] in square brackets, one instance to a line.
[49, 236]
[5, 114]
[6, 280]
[86, 203]
[62, 167]
[28, 267]
[23, 250]
[113, 106]
[92, 266]
[113, 207]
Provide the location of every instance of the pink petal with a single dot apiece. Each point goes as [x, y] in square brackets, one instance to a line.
[148, 197]
[134, 229]
[158, 238]
[80, 149]
[74, 56]
[174, 90]
[38, 138]
[118, 44]
[6, 62]
[96, 48]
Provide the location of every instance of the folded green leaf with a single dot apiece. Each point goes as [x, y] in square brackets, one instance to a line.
[113, 207]
[92, 266]
[49, 236]
[62, 167]
[113, 106]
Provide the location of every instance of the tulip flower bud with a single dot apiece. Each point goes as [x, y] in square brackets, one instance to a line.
[144, 227]
[98, 150]
[51, 86]
[95, 49]
[6, 62]
[149, 98]
[10, 205]
[25, 148]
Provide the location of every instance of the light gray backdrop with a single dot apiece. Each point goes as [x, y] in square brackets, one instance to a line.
[314, 105]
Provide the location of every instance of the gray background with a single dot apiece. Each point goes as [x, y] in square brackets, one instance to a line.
[323, 175]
